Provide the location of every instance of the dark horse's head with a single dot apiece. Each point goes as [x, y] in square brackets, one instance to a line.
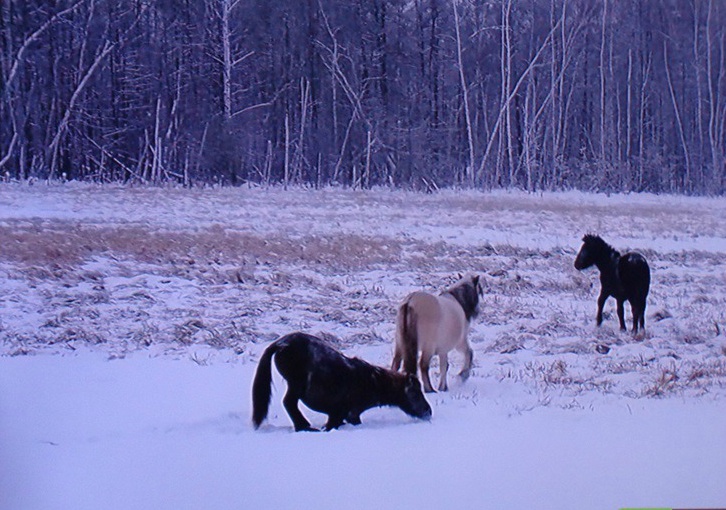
[593, 250]
[411, 399]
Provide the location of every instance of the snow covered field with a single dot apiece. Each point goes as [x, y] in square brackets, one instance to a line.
[131, 321]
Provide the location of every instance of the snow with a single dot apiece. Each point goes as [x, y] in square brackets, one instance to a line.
[82, 432]
[132, 320]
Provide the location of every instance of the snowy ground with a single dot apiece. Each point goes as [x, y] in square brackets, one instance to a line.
[131, 321]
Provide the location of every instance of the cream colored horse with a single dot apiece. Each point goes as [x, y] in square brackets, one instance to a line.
[434, 325]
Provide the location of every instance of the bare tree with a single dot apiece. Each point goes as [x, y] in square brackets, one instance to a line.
[465, 96]
[16, 61]
[423, 93]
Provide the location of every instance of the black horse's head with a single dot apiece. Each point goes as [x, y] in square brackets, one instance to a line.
[593, 248]
[413, 401]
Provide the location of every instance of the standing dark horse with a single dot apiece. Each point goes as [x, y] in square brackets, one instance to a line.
[625, 277]
[331, 383]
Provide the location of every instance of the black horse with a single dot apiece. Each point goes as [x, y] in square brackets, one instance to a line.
[331, 383]
[625, 277]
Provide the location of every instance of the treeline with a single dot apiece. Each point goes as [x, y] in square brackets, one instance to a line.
[611, 95]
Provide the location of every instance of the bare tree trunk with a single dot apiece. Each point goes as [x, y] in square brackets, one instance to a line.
[644, 100]
[343, 146]
[721, 120]
[465, 94]
[267, 175]
[230, 60]
[286, 168]
[603, 155]
[628, 109]
[227, 6]
[616, 131]
[156, 146]
[304, 105]
[676, 112]
[555, 91]
[714, 99]
[367, 171]
[699, 85]
[529, 127]
[508, 80]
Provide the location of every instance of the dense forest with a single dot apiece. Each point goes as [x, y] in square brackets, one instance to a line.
[612, 95]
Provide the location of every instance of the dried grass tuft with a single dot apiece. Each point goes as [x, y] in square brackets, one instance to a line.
[57, 245]
[664, 383]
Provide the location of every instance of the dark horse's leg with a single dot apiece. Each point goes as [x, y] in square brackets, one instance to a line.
[335, 420]
[636, 316]
[298, 420]
[353, 418]
[638, 306]
[600, 303]
[621, 314]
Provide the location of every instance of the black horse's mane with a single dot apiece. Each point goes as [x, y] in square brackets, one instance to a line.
[376, 382]
[598, 245]
[370, 370]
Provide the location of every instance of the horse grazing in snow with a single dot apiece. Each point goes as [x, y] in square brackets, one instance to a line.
[625, 277]
[331, 383]
[434, 325]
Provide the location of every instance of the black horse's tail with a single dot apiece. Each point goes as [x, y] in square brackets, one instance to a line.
[408, 337]
[261, 385]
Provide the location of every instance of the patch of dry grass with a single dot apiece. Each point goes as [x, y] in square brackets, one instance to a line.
[53, 245]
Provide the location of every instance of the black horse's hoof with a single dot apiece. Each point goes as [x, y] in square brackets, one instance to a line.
[307, 429]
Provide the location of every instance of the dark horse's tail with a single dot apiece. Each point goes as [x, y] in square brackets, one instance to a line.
[261, 385]
[408, 337]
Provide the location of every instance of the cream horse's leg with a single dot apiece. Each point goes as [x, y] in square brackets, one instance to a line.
[424, 364]
[468, 360]
[396, 359]
[444, 368]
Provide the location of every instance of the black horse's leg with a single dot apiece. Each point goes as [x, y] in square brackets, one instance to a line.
[298, 420]
[353, 418]
[636, 315]
[639, 317]
[600, 304]
[621, 314]
[335, 420]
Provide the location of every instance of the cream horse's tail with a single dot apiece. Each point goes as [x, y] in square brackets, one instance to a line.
[406, 339]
